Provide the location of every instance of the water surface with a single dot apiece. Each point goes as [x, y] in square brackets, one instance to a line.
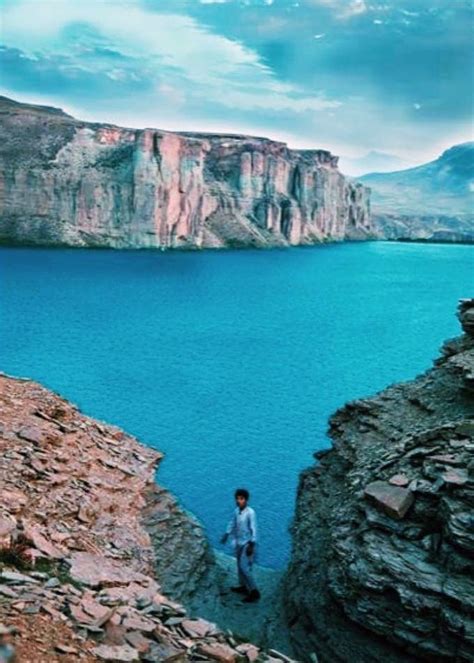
[230, 362]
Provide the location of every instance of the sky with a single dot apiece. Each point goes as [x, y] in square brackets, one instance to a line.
[352, 76]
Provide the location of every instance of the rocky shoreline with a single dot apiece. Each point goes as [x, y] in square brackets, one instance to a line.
[86, 536]
[383, 540]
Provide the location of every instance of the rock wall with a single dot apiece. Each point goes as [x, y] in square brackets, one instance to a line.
[66, 182]
[383, 539]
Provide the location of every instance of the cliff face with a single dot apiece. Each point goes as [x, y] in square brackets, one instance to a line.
[68, 182]
[383, 538]
[86, 536]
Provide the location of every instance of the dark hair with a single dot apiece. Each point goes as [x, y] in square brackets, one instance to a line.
[242, 492]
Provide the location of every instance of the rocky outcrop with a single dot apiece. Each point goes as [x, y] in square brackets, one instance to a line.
[416, 227]
[383, 538]
[91, 548]
[66, 182]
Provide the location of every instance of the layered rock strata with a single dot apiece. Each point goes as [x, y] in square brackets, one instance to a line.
[66, 182]
[383, 538]
[90, 547]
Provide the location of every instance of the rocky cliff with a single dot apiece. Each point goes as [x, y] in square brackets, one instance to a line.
[383, 538]
[67, 182]
[91, 548]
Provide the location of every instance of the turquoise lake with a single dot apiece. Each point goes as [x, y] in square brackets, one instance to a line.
[229, 362]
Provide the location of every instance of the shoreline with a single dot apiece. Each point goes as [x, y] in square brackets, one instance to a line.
[232, 249]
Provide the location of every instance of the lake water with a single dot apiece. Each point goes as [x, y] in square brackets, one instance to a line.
[229, 362]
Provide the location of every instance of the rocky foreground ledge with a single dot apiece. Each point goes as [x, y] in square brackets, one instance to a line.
[383, 540]
[86, 536]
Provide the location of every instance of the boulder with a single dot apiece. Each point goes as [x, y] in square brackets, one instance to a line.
[8, 526]
[116, 653]
[399, 480]
[197, 628]
[393, 500]
[96, 570]
[218, 652]
[36, 535]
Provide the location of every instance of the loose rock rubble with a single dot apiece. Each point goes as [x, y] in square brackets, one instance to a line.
[383, 557]
[79, 566]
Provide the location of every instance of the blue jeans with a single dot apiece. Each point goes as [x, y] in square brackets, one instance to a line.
[244, 568]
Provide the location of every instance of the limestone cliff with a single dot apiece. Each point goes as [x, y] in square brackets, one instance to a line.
[67, 182]
[383, 539]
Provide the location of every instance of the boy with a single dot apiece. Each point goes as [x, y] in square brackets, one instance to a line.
[243, 529]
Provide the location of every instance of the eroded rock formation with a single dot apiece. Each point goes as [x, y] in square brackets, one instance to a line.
[90, 547]
[383, 540]
[66, 182]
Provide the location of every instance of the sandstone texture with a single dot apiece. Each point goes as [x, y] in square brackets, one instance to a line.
[91, 549]
[382, 567]
[73, 183]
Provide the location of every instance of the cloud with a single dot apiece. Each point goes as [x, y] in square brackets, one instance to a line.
[354, 8]
[343, 9]
[176, 46]
[323, 73]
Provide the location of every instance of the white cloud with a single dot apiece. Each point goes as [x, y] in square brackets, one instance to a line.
[354, 8]
[174, 47]
[344, 9]
[278, 102]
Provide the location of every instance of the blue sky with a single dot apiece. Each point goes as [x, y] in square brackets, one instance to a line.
[347, 75]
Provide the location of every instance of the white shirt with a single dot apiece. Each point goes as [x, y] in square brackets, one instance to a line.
[243, 526]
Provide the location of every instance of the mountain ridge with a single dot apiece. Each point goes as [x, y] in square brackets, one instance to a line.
[431, 202]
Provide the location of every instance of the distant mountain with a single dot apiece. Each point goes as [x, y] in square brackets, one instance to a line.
[372, 162]
[434, 201]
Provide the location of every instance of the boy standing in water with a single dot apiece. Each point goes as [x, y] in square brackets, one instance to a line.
[243, 529]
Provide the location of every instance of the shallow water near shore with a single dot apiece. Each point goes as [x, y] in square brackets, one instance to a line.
[229, 362]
